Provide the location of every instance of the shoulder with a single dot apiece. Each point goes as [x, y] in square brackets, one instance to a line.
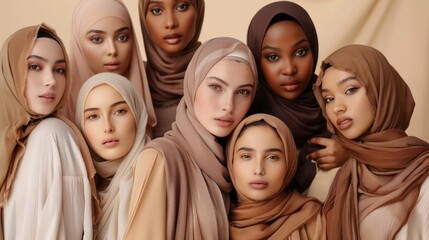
[148, 158]
[52, 126]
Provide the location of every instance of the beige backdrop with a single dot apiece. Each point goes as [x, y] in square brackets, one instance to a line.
[398, 28]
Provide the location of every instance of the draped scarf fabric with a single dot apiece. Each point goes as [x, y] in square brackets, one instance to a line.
[387, 166]
[197, 179]
[85, 15]
[114, 200]
[18, 120]
[286, 213]
[303, 114]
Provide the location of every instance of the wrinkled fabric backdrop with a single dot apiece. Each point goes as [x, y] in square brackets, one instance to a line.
[398, 28]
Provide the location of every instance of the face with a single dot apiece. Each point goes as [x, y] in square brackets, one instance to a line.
[109, 124]
[46, 81]
[347, 105]
[259, 165]
[286, 59]
[171, 24]
[107, 46]
[224, 96]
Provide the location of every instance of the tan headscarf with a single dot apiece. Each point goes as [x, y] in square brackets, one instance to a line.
[287, 213]
[165, 71]
[197, 179]
[86, 14]
[387, 166]
[17, 120]
[114, 199]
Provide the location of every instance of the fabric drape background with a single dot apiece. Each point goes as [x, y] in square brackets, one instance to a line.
[398, 28]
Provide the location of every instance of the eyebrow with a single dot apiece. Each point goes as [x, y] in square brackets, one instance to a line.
[112, 105]
[44, 59]
[295, 44]
[227, 84]
[247, 149]
[101, 31]
[343, 81]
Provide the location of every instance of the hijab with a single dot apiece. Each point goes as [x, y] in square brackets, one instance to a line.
[195, 166]
[18, 120]
[85, 15]
[302, 115]
[115, 198]
[286, 212]
[387, 166]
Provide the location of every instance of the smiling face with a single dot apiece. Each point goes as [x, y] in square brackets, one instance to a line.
[107, 46]
[109, 124]
[171, 24]
[286, 59]
[224, 96]
[259, 165]
[347, 105]
[46, 81]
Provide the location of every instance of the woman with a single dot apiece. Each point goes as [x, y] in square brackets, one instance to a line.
[262, 160]
[187, 165]
[103, 40]
[381, 192]
[112, 116]
[170, 31]
[46, 172]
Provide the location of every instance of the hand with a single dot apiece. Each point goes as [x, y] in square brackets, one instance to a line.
[332, 156]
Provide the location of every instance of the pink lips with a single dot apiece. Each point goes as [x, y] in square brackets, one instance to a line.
[47, 97]
[258, 184]
[344, 123]
[290, 86]
[172, 38]
[224, 121]
[112, 66]
[110, 142]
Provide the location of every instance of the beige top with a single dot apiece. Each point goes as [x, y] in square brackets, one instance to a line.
[148, 199]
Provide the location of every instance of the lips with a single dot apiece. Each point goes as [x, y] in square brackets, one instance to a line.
[110, 142]
[112, 66]
[172, 38]
[224, 121]
[344, 123]
[290, 86]
[258, 184]
[48, 97]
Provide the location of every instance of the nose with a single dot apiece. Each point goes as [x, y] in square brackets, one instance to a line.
[171, 21]
[288, 67]
[259, 168]
[49, 79]
[112, 50]
[228, 103]
[108, 126]
[339, 106]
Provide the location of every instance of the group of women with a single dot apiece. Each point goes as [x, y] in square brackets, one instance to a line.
[213, 140]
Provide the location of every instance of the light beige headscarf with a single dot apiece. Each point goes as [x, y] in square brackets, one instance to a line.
[115, 199]
[166, 71]
[17, 120]
[197, 179]
[86, 14]
[288, 214]
[387, 167]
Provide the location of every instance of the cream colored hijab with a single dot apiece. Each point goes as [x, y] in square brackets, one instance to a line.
[288, 214]
[17, 120]
[114, 200]
[387, 167]
[86, 14]
[197, 179]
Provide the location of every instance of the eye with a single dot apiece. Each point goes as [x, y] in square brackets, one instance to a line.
[245, 156]
[34, 67]
[352, 90]
[91, 117]
[60, 70]
[96, 39]
[181, 7]
[123, 37]
[215, 87]
[243, 92]
[273, 157]
[301, 52]
[328, 99]
[156, 11]
[272, 57]
[120, 112]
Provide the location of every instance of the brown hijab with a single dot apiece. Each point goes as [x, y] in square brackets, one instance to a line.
[302, 115]
[287, 213]
[17, 120]
[86, 14]
[387, 166]
[197, 179]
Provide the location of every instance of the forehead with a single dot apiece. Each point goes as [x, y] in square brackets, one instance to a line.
[102, 95]
[47, 48]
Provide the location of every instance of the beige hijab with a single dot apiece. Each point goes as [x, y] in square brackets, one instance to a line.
[288, 214]
[17, 120]
[197, 179]
[86, 14]
[114, 199]
[387, 167]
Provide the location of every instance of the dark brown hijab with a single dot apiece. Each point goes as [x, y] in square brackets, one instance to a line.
[387, 166]
[287, 214]
[198, 184]
[302, 115]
